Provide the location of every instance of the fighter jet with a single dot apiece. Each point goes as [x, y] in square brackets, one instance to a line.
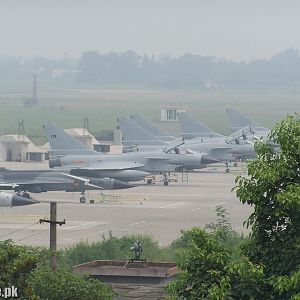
[136, 163]
[9, 200]
[39, 181]
[226, 149]
[238, 120]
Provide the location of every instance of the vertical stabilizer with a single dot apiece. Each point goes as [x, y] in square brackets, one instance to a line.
[239, 120]
[62, 143]
[152, 128]
[134, 134]
[192, 128]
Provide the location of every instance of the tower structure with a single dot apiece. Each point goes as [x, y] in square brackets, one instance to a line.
[34, 90]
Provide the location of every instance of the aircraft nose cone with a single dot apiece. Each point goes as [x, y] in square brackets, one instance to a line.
[207, 159]
[118, 184]
[20, 201]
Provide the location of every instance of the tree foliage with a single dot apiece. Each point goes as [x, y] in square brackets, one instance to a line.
[268, 266]
[24, 268]
[273, 189]
[65, 285]
[131, 69]
[16, 265]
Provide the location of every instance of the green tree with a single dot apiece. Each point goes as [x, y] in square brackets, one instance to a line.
[25, 268]
[16, 265]
[268, 266]
[273, 189]
[65, 285]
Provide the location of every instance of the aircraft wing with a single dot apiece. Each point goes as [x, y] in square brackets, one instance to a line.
[42, 181]
[8, 186]
[82, 179]
[114, 165]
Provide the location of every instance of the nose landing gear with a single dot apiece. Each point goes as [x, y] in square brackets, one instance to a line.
[82, 199]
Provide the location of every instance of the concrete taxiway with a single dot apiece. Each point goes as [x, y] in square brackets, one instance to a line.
[157, 210]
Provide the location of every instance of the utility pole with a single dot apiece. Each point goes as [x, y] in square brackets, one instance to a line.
[53, 222]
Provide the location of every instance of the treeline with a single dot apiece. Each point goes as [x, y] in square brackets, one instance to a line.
[130, 69]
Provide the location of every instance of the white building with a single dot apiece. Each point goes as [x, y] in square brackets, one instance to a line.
[169, 112]
[20, 148]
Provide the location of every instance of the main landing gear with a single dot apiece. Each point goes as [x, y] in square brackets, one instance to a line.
[227, 170]
[165, 179]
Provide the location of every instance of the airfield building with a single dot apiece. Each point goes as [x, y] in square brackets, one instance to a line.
[84, 136]
[20, 148]
[169, 119]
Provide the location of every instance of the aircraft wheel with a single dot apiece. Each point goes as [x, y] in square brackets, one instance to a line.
[166, 183]
[227, 170]
[82, 200]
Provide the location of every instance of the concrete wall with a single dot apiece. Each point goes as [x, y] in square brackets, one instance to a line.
[14, 151]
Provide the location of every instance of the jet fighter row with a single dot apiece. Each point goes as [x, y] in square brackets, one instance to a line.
[197, 137]
[147, 150]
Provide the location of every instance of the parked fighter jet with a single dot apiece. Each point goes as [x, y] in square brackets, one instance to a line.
[9, 200]
[238, 120]
[226, 149]
[114, 165]
[39, 181]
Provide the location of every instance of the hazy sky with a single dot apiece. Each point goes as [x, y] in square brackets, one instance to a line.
[235, 29]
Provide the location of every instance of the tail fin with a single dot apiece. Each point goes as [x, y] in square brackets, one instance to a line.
[134, 134]
[152, 129]
[63, 144]
[192, 128]
[238, 120]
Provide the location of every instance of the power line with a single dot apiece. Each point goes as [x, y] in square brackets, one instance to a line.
[31, 235]
[17, 230]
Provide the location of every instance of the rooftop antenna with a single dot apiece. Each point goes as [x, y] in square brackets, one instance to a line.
[21, 127]
[86, 125]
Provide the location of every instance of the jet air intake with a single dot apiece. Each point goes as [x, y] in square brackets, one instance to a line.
[55, 162]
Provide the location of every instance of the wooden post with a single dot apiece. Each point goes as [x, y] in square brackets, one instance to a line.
[53, 222]
[53, 206]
